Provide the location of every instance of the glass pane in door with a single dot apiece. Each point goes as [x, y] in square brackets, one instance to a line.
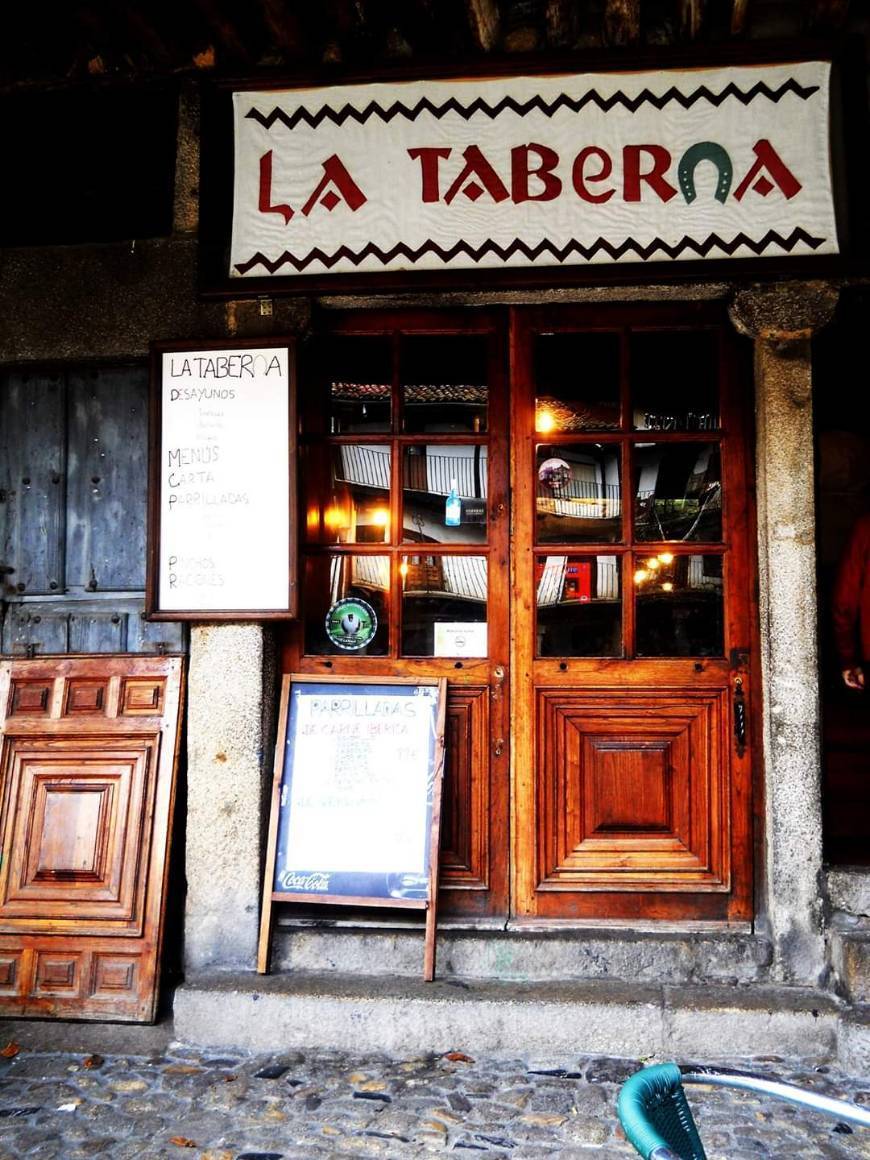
[579, 606]
[678, 491]
[577, 493]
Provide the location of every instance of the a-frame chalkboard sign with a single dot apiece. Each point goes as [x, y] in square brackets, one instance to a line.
[356, 800]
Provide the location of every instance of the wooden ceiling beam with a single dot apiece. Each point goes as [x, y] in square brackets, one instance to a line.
[561, 21]
[739, 17]
[282, 24]
[827, 15]
[147, 35]
[691, 18]
[621, 22]
[484, 19]
[224, 30]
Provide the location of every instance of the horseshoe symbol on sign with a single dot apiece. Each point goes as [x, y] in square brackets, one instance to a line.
[689, 162]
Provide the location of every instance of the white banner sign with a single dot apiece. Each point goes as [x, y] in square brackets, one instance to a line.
[534, 171]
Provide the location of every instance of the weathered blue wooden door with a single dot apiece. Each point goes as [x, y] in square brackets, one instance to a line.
[73, 480]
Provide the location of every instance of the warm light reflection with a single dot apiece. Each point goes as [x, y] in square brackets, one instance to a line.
[333, 519]
[544, 422]
[641, 575]
[667, 586]
[380, 517]
[666, 557]
[403, 569]
[653, 563]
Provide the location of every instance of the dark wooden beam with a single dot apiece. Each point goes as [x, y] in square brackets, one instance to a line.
[522, 25]
[340, 21]
[148, 37]
[739, 17]
[562, 22]
[282, 24]
[224, 30]
[827, 15]
[621, 22]
[691, 18]
[484, 19]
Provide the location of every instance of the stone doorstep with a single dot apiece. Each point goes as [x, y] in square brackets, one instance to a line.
[849, 889]
[850, 958]
[710, 954]
[547, 1020]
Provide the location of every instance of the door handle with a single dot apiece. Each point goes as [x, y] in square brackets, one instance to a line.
[739, 716]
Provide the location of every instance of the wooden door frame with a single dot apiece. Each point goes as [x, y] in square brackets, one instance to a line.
[478, 701]
[741, 625]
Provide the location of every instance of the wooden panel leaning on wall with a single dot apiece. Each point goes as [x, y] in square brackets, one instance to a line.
[87, 766]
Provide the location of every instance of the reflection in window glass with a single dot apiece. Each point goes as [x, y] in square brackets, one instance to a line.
[576, 382]
[444, 383]
[347, 494]
[361, 625]
[678, 491]
[444, 606]
[579, 606]
[577, 493]
[674, 380]
[444, 494]
[357, 376]
[678, 603]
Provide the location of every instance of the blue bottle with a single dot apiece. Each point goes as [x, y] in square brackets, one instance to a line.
[453, 507]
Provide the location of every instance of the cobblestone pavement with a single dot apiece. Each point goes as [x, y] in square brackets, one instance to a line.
[186, 1104]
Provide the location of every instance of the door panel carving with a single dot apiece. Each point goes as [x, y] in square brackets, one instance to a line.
[633, 789]
[465, 812]
[87, 764]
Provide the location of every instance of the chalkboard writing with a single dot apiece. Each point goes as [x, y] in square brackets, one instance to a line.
[221, 467]
[356, 797]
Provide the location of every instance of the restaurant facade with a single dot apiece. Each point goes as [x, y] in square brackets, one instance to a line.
[546, 331]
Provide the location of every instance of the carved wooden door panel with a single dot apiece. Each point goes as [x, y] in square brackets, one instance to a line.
[87, 768]
[633, 616]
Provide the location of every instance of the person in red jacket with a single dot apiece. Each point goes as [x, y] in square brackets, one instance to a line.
[851, 605]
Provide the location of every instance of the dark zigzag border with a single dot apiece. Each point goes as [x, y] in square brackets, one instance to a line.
[518, 246]
[548, 108]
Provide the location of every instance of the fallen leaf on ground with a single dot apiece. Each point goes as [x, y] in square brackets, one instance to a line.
[458, 1057]
[10, 1050]
[93, 1061]
[182, 1142]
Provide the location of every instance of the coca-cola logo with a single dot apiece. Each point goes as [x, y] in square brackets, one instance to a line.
[308, 883]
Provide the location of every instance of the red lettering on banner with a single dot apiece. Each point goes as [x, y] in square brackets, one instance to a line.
[767, 158]
[264, 204]
[521, 172]
[581, 179]
[632, 176]
[345, 188]
[477, 166]
[429, 156]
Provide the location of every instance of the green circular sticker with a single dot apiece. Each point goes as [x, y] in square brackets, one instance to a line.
[351, 624]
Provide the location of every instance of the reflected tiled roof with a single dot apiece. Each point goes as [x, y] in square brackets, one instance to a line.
[414, 392]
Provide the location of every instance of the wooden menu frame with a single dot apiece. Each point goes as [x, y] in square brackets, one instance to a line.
[341, 695]
[281, 567]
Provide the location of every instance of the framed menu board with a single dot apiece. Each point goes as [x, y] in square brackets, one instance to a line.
[222, 482]
[356, 801]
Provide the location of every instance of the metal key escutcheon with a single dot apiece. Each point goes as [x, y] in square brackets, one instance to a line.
[739, 716]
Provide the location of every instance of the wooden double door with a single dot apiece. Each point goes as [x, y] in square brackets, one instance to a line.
[551, 508]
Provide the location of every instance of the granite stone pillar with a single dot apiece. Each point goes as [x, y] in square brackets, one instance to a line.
[230, 699]
[781, 320]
